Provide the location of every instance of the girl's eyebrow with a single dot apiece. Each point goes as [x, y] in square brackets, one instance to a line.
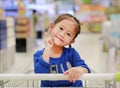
[62, 25]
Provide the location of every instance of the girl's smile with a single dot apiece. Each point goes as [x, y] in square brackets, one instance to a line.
[59, 38]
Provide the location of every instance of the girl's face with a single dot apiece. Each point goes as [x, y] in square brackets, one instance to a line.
[63, 33]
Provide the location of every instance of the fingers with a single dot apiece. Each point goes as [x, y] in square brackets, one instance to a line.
[47, 34]
[48, 39]
[66, 72]
[72, 75]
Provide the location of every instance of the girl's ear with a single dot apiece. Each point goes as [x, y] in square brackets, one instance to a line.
[50, 27]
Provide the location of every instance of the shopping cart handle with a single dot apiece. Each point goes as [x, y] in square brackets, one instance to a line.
[117, 77]
[92, 76]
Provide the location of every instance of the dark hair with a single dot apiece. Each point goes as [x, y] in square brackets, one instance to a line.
[69, 16]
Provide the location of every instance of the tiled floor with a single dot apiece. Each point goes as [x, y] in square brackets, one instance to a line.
[87, 44]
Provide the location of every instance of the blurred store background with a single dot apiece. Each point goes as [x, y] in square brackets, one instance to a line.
[23, 23]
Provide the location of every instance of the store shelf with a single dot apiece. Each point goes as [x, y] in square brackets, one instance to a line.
[22, 34]
[7, 43]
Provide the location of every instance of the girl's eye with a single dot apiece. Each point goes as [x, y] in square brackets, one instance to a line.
[68, 34]
[61, 28]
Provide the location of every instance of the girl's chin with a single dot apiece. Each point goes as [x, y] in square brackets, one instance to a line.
[57, 43]
[57, 40]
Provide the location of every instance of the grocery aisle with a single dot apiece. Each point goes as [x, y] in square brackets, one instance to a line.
[24, 60]
[87, 44]
[89, 47]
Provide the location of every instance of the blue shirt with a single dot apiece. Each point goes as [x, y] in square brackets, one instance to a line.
[69, 58]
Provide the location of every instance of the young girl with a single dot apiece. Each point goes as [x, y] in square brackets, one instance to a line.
[56, 58]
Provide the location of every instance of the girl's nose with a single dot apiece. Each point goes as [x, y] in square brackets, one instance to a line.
[62, 33]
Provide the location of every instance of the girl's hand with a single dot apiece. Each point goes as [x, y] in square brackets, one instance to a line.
[48, 40]
[75, 73]
[48, 44]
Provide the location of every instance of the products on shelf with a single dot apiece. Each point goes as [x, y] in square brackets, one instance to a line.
[3, 34]
[7, 43]
[92, 15]
[23, 34]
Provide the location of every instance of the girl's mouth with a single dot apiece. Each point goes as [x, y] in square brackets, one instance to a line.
[59, 38]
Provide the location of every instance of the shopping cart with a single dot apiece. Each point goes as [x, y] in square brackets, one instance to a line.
[93, 80]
